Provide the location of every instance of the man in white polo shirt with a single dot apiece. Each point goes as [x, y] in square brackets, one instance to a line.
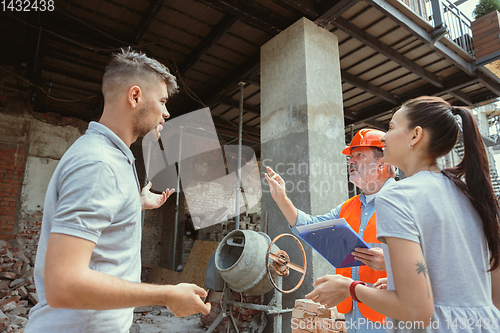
[88, 265]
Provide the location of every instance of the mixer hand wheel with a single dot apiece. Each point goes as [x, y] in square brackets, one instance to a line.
[282, 265]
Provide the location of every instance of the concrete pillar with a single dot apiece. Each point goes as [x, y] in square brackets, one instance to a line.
[302, 136]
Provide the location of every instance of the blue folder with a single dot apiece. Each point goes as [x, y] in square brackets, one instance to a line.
[334, 240]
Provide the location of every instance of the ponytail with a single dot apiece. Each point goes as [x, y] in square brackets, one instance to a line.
[438, 116]
[477, 187]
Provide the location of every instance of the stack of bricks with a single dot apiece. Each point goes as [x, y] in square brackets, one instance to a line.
[311, 317]
[17, 289]
[247, 320]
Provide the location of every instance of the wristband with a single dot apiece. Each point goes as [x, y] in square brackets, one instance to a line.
[351, 289]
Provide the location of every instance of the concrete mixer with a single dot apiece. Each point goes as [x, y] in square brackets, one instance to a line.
[249, 262]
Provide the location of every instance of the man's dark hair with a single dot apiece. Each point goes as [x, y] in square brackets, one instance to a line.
[129, 64]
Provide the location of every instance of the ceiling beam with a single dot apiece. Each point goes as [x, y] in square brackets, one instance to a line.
[453, 83]
[333, 9]
[252, 13]
[349, 114]
[370, 41]
[71, 74]
[461, 96]
[235, 104]
[147, 19]
[309, 8]
[253, 78]
[75, 30]
[369, 87]
[213, 36]
[376, 124]
[488, 82]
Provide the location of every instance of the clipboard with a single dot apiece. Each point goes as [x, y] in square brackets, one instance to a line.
[334, 240]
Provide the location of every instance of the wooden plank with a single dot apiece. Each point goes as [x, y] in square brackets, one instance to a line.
[487, 39]
[194, 270]
[483, 52]
[161, 275]
[486, 18]
[486, 45]
[484, 24]
[491, 33]
[487, 30]
[196, 265]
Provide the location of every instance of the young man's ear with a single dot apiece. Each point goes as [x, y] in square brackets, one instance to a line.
[134, 96]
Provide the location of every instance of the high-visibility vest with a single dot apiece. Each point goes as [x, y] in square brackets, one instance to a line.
[351, 211]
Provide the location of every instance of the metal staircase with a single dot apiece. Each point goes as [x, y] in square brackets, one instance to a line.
[495, 180]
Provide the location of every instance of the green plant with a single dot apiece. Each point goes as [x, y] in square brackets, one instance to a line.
[484, 7]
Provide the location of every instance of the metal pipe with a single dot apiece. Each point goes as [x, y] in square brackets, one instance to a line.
[238, 172]
[178, 189]
[278, 317]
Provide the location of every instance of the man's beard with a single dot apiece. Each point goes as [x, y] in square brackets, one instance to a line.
[140, 127]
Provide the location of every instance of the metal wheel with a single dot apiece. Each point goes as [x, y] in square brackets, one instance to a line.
[282, 265]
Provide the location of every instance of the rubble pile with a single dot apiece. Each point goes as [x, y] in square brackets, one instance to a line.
[17, 288]
[247, 320]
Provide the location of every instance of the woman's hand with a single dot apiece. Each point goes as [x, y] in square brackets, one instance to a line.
[330, 290]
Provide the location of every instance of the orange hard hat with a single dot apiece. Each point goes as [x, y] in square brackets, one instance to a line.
[366, 137]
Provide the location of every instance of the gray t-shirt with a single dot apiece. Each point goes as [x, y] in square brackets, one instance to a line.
[93, 194]
[429, 209]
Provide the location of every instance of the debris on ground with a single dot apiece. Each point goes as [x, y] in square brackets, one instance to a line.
[17, 288]
[158, 319]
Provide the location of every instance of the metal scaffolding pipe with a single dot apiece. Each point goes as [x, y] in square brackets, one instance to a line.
[178, 189]
[238, 171]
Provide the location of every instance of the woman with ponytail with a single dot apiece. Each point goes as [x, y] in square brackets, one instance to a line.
[441, 228]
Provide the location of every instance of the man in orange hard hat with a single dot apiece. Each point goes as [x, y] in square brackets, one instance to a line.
[370, 174]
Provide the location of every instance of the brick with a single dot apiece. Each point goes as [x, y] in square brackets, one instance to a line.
[19, 311]
[18, 265]
[307, 305]
[9, 293]
[8, 307]
[22, 292]
[8, 275]
[22, 257]
[9, 300]
[327, 313]
[4, 321]
[33, 298]
[17, 320]
[298, 313]
[6, 267]
[3, 284]
[19, 282]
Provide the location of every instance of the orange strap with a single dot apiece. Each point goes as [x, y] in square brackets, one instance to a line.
[351, 211]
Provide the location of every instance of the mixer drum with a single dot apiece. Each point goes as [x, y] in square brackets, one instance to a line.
[241, 261]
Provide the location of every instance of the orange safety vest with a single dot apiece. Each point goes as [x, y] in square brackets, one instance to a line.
[351, 211]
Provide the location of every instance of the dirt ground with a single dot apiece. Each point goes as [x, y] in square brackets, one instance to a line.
[160, 320]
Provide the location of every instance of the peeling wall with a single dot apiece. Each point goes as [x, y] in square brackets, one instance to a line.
[44, 145]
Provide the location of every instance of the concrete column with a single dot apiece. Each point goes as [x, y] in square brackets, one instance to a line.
[302, 136]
